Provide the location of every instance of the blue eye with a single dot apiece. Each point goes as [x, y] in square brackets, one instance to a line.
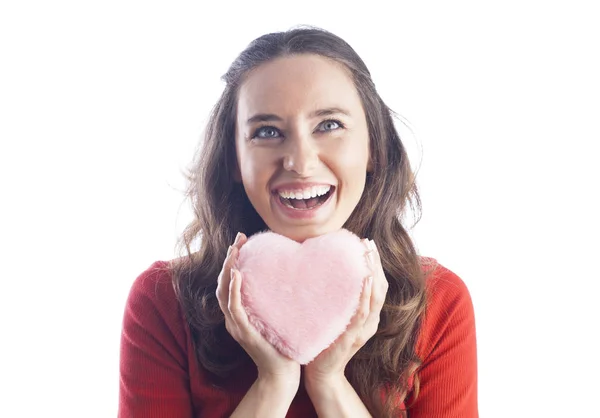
[266, 132]
[330, 125]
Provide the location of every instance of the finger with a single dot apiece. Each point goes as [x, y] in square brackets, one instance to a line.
[371, 262]
[365, 242]
[224, 279]
[240, 239]
[378, 294]
[236, 310]
[372, 323]
[380, 280]
[373, 256]
[364, 306]
[379, 288]
[375, 253]
[222, 296]
[355, 334]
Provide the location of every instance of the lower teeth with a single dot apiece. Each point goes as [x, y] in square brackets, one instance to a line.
[321, 200]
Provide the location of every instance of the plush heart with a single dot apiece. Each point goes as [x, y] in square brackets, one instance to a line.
[302, 297]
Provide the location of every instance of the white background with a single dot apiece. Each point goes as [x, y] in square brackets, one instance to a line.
[102, 105]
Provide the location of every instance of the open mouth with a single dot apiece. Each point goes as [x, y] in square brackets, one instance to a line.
[306, 204]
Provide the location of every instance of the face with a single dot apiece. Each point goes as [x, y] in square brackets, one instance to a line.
[302, 144]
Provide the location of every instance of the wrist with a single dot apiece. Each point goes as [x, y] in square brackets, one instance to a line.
[269, 396]
[324, 385]
[284, 385]
[334, 396]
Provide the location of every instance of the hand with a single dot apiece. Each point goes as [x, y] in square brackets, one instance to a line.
[328, 368]
[272, 365]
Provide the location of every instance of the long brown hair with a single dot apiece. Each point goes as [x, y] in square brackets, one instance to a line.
[221, 209]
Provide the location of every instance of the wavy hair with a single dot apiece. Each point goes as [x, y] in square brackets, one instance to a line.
[221, 209]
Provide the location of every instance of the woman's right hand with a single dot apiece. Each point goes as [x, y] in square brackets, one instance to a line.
[272, 365]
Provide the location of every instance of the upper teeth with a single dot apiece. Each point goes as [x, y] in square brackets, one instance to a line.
[305, 193]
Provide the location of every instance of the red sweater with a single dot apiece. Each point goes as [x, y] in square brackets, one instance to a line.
[160, 377]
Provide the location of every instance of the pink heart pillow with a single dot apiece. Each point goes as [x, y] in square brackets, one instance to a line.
[302, 297]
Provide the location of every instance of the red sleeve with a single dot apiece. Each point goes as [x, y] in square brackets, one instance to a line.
[154, 379]
[447, 346]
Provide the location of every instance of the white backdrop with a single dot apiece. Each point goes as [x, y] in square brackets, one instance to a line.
[103, 103]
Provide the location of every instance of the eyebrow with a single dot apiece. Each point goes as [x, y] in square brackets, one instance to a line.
[268, 117]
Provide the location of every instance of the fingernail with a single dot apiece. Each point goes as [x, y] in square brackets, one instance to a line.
[372, 245]
[238, 236]
[371, 257]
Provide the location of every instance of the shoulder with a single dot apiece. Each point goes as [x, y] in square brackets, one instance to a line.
[155, 352]
[443, 284]
[155, 282]
[153, 287]
[152, 302]
[449, 312]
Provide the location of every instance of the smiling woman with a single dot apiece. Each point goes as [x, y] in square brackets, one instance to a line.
[315, 140]
[300, 144]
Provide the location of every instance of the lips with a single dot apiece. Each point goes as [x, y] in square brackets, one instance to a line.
[301, 208]
[305, 203]
[297, 186]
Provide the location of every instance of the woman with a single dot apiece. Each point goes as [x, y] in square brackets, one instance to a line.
[299, 113]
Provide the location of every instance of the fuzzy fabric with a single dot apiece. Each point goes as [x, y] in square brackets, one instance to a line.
[302, 297]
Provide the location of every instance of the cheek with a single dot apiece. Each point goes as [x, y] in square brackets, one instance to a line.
[249, 175]
[255, 169]
[351, 157]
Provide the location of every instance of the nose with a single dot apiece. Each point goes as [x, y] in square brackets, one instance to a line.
[301, 155]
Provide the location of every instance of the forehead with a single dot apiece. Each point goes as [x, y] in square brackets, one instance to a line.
[297, 84]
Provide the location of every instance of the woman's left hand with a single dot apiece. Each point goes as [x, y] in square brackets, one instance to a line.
[328, 367]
